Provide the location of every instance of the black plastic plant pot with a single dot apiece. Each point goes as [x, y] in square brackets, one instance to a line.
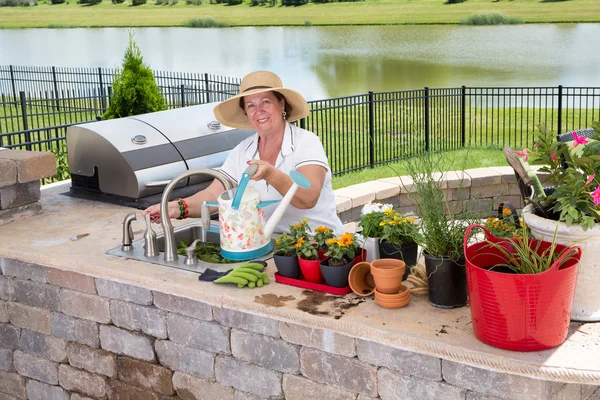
[447, 282]
[287, 266]
[336, 276]
[407, 252]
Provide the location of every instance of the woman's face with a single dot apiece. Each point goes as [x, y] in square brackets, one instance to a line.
[264, 112]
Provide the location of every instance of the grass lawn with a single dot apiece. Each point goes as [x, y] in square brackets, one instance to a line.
[451, 161]
[370, 12]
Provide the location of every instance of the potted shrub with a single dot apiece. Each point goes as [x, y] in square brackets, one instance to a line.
[322, 235]
[521, 289]
[370, 221]
[442, 231]
[573, 170]
[308, 259]
[398, 239]
[284, 255]
[341, 252]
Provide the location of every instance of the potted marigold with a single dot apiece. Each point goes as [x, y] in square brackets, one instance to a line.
[308, 259]
[398, 236]
[322, 235]
[285, 257]
[340, 252]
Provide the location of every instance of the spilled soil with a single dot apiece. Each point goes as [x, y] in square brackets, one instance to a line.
[273, 300]
[319, 303]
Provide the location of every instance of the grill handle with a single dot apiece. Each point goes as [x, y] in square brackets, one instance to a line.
[156, 183]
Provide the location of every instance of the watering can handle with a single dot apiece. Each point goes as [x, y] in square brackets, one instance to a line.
[239, 192]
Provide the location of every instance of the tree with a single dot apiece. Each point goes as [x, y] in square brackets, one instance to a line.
[134, 89]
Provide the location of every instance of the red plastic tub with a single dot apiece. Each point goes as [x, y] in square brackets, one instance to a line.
[520, 312]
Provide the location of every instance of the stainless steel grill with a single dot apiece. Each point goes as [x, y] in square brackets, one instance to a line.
[130, 160]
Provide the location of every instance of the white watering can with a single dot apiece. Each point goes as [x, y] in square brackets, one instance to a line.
[244, 230]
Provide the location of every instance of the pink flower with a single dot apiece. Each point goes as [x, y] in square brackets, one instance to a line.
[523, 153]
[589, 180]
[579, 139]
[553, 157]
[596, 196]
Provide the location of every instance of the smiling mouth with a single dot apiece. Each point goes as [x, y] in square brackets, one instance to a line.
[261, 120]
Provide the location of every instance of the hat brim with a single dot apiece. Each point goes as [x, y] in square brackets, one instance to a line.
[230, 114]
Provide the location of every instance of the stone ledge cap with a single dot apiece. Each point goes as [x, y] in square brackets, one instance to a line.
[30, 165]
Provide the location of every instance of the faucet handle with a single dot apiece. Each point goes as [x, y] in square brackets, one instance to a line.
[190, 255]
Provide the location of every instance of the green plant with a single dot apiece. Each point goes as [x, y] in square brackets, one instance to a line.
[490, 19]
[322, 235]
[138, 2]
[342, 249]
[285, 245]
[504, 226]
[204, 23]
[59, 150]
[372, 214]
[117, 1]
[293, 2]
[134, 90]
[57, 1]
[397, 229]
[300, 230]
[306, 249]
[573, 170]
[205, 251]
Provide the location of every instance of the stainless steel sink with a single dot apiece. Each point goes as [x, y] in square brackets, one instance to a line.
[186, 233]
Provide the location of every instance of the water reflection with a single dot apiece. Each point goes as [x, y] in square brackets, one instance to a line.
[336, 61]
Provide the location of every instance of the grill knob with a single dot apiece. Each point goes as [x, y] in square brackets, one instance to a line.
[214, 125]
[139, 139]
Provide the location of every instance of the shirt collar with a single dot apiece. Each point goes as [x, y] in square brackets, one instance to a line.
[287, 147]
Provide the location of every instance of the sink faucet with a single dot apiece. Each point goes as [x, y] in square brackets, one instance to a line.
[170, 246]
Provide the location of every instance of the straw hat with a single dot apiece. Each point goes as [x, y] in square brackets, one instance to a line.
[230, 113]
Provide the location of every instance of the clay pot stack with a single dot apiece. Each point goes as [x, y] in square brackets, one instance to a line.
[382, 277]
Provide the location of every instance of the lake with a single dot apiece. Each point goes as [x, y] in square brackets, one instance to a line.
[323, 62]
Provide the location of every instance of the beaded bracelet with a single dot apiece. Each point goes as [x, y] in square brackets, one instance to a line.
[183, 209]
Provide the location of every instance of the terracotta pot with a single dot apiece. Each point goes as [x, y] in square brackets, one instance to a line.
[360, 279]
[397, 300]
[287, 266]
[388, 273]
[336, 276]
[311, 270]
[406, 252]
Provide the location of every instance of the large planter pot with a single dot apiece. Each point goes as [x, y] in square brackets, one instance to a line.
[311, 270]
[520, 312]
[387, 273]
[336, 276]
[406, 252]
[287, 266]
[371, 245]
[446, 282]
[586, 304]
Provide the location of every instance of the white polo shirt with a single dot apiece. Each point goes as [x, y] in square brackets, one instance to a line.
[300, 147]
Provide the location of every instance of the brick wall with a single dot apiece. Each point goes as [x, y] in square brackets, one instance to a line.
[68, 336]
[20, 174]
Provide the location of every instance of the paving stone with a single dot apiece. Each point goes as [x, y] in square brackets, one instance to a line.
[360, 194]
[342, 203]
[41, 391]
[22, 270]
[71, 280]
[81, 381]
[479, 396]
[85, 306]
[77, 396]
[35, 294]
[123, 342]
[35, 367]
[8, 173]
[263, 382]
[9, 337]
[363, 397]
[14, 214]
[394, 386]
[13, 384]
[342, 372]
[298, 388]
[19, 195]
[185, 359]
[406, 362]
[183, 306]
[6, 357]
[268, 352]
[5, 287]
[123, 291]
[569, 391]
[590, 392]
[496, 383]
[484, 176]
[75, 329]
[192, 388]
[247, 322]
[134, 317]
[190, 332]
[28, 317]
[239, 395]
[122, 391]
[7, 397]
[149, 376]
[31, 165]
[46, 346]
[320, 339]
[92, 360]
[3, 312]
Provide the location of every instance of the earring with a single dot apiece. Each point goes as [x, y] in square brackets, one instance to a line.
[284, 114]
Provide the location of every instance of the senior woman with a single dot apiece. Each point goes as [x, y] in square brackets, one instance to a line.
[277, 148]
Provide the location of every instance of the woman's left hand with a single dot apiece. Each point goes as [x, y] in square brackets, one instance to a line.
[264, 171]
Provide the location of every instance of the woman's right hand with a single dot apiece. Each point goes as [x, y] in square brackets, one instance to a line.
[154, 211]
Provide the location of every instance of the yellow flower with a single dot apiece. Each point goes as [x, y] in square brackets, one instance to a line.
[300, 241]
[323, 229]
[278, 240]
[389, 211]
[410, 220]
[506, 211]
[304, 220]
[332, 241]
[382, 223]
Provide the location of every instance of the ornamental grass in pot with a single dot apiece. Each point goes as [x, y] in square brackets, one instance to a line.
[341, 252]
[571, 209]
[521, 289]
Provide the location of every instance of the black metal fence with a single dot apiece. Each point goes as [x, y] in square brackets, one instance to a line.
[38, 104]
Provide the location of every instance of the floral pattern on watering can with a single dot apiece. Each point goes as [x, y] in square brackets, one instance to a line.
[242, 229]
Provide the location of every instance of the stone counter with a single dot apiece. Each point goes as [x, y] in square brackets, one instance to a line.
[78, 324]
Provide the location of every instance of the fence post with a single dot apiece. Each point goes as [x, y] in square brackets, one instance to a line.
[303, 123]
[206, 87]
[371, 130]
[55, 89]
[25, 124]
[102, 99]
[12, 79]
[426, 119]
[463, 116]
[560, 91]
[182, 87]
